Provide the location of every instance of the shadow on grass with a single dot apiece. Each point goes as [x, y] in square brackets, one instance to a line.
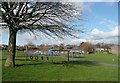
[17, 65]
[27, 62]
[71, 62]
[79, 62]
[77, 57]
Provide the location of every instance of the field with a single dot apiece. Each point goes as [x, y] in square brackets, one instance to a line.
[89, 67]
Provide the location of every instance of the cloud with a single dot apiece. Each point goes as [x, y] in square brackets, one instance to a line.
[75, 41]
[98, 34]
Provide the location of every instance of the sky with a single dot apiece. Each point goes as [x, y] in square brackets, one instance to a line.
[100, 23]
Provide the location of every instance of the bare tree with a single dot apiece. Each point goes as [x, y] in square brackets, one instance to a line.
[51, 18]
[86, 47]
[61, 46]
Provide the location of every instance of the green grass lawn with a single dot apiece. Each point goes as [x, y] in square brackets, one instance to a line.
[106, 58]
[79, 69]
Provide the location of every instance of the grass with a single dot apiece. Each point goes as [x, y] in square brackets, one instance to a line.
[76, 70]
[106, 58]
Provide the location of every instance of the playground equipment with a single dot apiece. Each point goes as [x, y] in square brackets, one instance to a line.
[33, 53]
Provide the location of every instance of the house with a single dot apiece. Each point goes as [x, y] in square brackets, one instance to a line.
[99, 49]
[76, 49]
[115, 49]
[20, 48]
[3, 47]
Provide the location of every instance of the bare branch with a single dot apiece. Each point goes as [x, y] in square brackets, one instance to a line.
[53, 17]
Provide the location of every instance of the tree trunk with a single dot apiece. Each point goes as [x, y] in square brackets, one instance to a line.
[10, 61]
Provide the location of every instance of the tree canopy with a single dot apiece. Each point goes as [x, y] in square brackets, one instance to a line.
[51, 18]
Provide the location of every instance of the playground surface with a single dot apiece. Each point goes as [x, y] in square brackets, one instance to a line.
[89, 67]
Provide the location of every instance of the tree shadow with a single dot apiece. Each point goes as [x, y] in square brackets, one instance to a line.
[71, 62]
[3, 59]
[78, 62]
[77, 57]
[27, 64]
[21, 60]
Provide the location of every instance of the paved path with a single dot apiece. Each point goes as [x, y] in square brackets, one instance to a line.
[105, 64]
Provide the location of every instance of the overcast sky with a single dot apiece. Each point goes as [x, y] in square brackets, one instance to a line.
[100, 25]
